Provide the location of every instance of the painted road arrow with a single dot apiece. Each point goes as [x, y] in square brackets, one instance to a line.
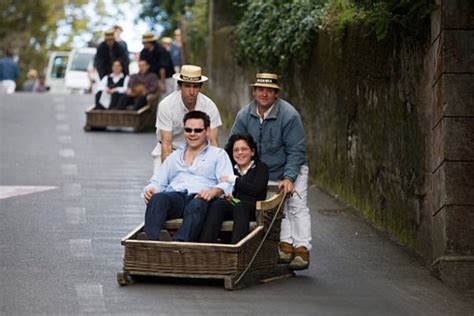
[7, 191]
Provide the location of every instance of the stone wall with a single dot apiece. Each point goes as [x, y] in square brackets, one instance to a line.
[389, 127]
[452, 129]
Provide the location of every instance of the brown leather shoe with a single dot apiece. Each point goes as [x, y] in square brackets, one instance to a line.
[285, 252]
[301, 259]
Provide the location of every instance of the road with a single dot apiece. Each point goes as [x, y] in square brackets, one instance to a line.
[60, 248]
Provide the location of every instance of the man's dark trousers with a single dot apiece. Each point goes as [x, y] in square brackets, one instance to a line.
[169, 205]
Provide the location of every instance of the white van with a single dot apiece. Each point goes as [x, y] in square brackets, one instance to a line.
[81, 60]
[56, 71]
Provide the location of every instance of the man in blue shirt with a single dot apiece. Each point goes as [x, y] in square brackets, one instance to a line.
[186, 182]
[9, 72]
[278, 131]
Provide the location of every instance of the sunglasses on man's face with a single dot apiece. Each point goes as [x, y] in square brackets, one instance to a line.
[195, 130]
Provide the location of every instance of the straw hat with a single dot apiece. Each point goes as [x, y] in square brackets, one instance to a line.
[148, 37]
[190, 73]
[109, 34]
[266, 80]
[166, 40]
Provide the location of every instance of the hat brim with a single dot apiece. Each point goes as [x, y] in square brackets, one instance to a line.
[154, 39]
[178, 77]
[266, 85]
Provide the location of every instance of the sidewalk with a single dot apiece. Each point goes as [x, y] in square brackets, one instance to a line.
[349, 254]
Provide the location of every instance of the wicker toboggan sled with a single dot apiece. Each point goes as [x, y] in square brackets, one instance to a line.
[253, 260]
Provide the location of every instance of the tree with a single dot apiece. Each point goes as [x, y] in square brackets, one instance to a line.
[167, 13]
[34, 28]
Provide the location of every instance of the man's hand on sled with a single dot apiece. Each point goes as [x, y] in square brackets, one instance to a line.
[286, 185]
[148, 194]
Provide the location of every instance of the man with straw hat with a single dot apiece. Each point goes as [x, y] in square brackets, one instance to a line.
[277, 128]
[160, 62]
[171, 110]
[107, 52]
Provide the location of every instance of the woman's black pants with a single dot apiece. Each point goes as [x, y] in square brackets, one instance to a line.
[221, 210]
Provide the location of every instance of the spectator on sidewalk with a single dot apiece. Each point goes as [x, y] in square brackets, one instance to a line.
[31, 77]
[169, 118]
[108, 51]
[111, 88]
[40, 84]
[174, 52]
[176, 49]
[278, 130]
[140, 86]
[9, 72]
[160, 62]
[188, 180]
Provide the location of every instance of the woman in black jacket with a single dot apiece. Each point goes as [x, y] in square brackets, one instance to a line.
[251, 178]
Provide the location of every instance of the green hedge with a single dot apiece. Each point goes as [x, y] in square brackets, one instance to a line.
[271, 33]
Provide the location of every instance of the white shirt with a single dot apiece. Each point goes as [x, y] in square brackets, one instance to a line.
[115, 79]
[171, 111]
[265, 114]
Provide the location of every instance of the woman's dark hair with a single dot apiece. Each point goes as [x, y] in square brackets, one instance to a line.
[229, 147]
[118, 61]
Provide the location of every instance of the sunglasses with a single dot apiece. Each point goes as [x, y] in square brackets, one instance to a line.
[195, 130]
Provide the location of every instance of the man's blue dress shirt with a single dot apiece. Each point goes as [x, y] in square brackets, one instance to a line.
[208, 167]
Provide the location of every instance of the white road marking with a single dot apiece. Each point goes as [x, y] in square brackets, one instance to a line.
[69, 169]
[59, 99]
[7, 191]
[64, 139]
[90, 297]
[76, 215]
[67, 153]
[60, 107]
[61, 116]
[72, 189]
[63, 128]
[81, 248]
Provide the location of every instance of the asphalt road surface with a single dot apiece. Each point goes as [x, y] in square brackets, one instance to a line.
[67, 197]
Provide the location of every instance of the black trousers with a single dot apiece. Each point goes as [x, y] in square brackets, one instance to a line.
[221, 210]
[114, 100]
[126, 100]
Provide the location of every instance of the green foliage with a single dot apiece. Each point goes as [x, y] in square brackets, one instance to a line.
[271, 32]
[196, 31]
[167, 13]
[382, 16]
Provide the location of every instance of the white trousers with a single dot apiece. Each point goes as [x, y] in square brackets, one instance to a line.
[296, 226]
[8, 86]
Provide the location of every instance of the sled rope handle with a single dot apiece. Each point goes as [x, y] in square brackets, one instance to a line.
[262, 241]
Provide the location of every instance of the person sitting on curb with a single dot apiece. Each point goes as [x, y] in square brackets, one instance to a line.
[114, 86]
[251, 178]
[186, 182]
[278, 130]
[31, 76]
[140, 85]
